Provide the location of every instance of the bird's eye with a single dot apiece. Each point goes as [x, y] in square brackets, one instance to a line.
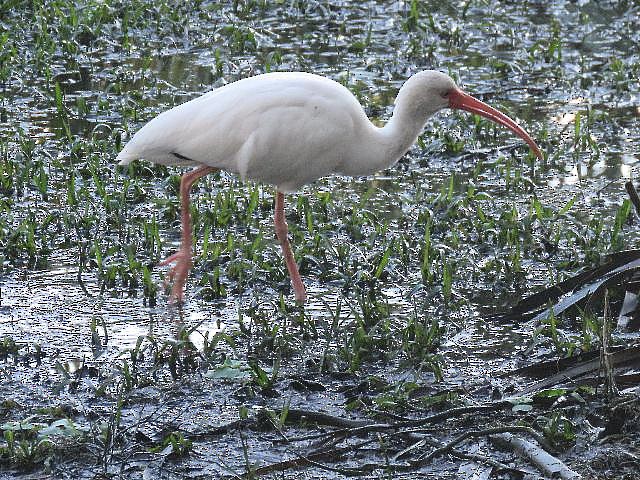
[446, 94]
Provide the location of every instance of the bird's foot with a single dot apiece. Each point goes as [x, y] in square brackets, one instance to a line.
[177, 275]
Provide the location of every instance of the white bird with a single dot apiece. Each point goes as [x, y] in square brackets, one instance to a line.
[288, 129]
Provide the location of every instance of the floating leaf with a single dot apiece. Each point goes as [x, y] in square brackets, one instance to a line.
[62, 427]
[231, 370]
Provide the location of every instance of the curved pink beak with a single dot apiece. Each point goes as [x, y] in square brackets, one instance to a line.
[463, 101]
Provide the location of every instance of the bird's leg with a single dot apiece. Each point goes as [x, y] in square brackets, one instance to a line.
[281, 233]
[182, 257]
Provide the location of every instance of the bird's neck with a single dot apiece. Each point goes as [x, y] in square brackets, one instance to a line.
[402, 129]
[389, 143]
[380, 148]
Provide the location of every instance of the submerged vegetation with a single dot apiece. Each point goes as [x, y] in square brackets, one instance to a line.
[403, 267]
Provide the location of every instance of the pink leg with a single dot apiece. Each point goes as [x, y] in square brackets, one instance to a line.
[182, 257]
[281, 233]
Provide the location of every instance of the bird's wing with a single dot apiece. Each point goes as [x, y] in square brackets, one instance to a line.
[276, 128]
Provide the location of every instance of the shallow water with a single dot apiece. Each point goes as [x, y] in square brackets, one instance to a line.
[549, 65]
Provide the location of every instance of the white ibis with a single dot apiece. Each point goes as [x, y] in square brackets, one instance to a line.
[288, 129]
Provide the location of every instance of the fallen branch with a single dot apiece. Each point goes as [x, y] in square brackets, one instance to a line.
[353, 428]
[295, 415]
[425, 459]
[455, 412]
[549, 465]
[314, 458]
[474, 457]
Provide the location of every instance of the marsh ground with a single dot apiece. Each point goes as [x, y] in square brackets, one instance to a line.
[101, 379]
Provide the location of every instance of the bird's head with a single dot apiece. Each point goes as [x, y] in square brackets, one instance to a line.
[430, 91]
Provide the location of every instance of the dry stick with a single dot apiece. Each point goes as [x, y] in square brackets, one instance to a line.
[481, 459]
[449, 448]
[551, 466]
[453, 412]
[296, 414]
[410, 448]
[475, 457]
[423, 460]
[314, 436]
[344, 471]
[367, 468]
[486, 461]
[358, 427]
[312, 459]
[445, 415]
[506, 428]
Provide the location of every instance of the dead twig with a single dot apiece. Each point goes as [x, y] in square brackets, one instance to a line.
[313, 459]
[425, 459]
[362, 427]
[297, 415]
[456, 412]
[475, 457]
[353, 428]
[411, 429]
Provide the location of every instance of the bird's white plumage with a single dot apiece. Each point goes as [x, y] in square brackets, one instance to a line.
[279, 128]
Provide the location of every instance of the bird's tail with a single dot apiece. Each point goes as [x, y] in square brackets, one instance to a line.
[125, 158]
